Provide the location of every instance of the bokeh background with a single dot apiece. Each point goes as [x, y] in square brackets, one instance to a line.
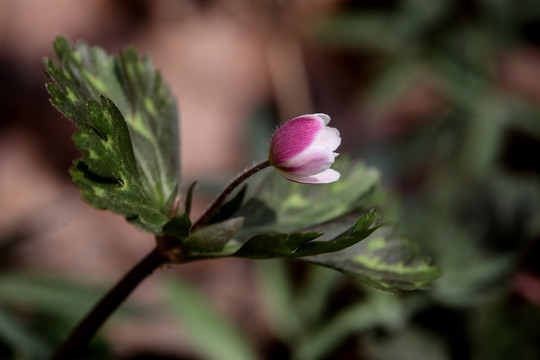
[442, 96]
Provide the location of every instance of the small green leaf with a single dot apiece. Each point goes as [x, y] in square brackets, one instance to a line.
[178, 226]
[211, 240]
[228, 209]
[362, 229]
[131, 139]
[367, 224]
[189, 196]
[173, 203]
[266, 246]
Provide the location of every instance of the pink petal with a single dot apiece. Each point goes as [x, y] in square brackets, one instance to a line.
[294, 137]
[313, 160]
[327, 176]
[328, 137]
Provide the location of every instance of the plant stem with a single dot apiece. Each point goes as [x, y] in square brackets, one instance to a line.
[83, 333]
[232, 185]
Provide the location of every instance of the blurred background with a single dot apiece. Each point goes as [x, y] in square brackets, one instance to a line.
[442, 96]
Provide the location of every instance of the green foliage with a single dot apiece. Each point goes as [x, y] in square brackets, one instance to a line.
[264, 246]
[37, 310]
[476, 227]
[213, 336]
[312, 317]
[128, 132]
[471, 198]
[384, 262]
[229, 208]
[130, 137]
[212, 239]
[287, 206]
[388, 262]
[23, 341]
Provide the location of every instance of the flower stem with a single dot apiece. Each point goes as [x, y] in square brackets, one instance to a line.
[83, 333]
[232, 185]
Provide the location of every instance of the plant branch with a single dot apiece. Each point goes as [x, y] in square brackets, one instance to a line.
[223, 196]
[83, 333]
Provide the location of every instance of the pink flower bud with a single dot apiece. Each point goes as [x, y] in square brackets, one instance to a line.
[302, 150]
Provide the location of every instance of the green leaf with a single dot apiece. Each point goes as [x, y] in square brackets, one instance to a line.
[189, 196]
[107, 174]
[146, 153]
[213, 336]
[330, 210]
[228, 209]
[211, 240]
[178, 226]
[382, 261]
[266, 246]
[292, 207]
[366, 225]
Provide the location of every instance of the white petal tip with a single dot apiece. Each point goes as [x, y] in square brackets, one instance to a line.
[325, 177]
[324, 117]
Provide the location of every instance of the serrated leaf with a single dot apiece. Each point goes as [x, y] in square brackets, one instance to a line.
[107, 174]
[145, 106]
[382, 261]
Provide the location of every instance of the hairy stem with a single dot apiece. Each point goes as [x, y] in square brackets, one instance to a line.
[226, 192]
[83, 333]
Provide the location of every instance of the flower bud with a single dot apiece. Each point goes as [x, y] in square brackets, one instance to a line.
[302, 149]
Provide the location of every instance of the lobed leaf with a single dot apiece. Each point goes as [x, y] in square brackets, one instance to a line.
[131, 140]
[107, 174]
[384, 262]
